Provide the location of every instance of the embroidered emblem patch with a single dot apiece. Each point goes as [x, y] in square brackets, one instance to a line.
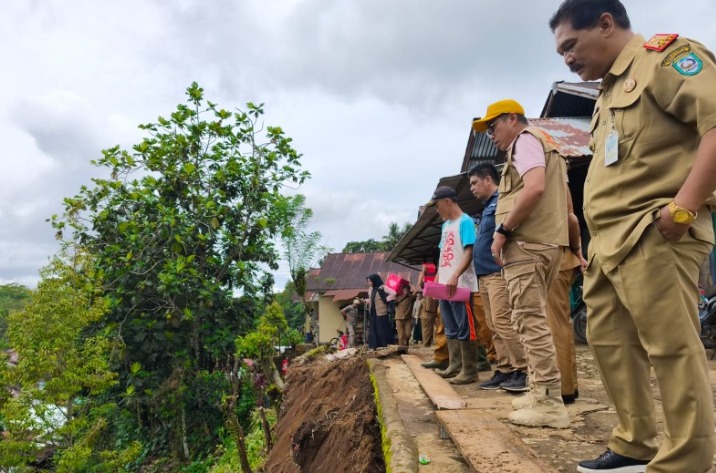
[689, 65]
[676, 53]
[660, 41]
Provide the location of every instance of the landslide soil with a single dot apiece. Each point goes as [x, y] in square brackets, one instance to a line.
[328, 420]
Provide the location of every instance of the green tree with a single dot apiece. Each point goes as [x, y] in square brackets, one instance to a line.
[259, 346]
[366, 246]
[302, 248]
[12, 297]
[60, 376]
[387, 243]
[395, 233]
[185, 222]
[292, 310]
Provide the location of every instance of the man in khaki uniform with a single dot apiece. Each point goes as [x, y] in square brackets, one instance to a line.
[648, 202]
[560, 324]
[559, 307]
[428, 314]
[532, 227]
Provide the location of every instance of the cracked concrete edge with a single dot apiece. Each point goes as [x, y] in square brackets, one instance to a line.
[399, 448]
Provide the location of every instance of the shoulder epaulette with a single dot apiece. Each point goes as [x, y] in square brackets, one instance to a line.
[660, 41]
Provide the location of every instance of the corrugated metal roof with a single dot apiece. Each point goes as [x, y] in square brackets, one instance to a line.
[344, 274]
[571, 135]
[344, 294]
[571, 99]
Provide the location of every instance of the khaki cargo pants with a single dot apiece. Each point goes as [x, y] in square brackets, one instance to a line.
[529, 270]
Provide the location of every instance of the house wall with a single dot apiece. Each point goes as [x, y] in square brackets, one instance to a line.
[329, 319]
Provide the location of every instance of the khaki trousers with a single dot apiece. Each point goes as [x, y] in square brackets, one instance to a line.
[644, 314]
[484, 333]
[560, 323]
[498, 315]
[530, 269]
[441, 350]
[405, 330]
[350, 328]
[428, 314]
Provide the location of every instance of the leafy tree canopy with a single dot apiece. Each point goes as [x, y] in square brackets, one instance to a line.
[186, 222]
[59, 376]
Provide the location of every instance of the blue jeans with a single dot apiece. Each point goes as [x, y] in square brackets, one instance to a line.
[459, 320]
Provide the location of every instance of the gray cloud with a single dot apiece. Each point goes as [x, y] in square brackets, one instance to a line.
[377, 95]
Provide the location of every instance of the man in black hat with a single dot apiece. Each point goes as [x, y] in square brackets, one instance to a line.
[455, 270]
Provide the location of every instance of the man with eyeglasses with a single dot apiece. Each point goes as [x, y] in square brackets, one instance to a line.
[532, 230]
[648, 195]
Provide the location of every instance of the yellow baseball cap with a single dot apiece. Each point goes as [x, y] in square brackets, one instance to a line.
[495, 110]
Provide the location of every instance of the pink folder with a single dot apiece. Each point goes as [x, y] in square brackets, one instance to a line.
[439, 291]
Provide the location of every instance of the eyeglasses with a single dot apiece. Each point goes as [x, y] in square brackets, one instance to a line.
[491, 126]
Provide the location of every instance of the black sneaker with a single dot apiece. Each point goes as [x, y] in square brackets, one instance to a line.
[517, 383]
[610, 461]
[494, 383]
[570, 398]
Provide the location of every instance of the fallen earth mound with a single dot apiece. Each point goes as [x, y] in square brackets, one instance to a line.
[328, 421]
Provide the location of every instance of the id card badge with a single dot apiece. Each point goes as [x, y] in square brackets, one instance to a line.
[611, 149]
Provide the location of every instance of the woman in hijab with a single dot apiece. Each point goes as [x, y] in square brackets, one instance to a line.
[381, 331]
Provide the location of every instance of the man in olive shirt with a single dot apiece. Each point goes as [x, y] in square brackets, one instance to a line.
[648, 202]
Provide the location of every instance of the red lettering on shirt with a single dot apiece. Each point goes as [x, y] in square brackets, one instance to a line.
[447, 253]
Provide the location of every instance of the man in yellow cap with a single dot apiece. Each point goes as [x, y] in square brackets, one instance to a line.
[648, 202]
[532, 228]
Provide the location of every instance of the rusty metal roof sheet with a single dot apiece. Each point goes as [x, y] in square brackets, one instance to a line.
[571, 134]
[343, 275]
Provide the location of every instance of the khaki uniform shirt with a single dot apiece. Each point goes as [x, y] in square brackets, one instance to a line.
[659, 104]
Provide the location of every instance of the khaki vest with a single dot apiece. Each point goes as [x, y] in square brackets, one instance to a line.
[381, 309]
[548, 221]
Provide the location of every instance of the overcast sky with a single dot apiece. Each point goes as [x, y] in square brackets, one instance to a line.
[378, 95]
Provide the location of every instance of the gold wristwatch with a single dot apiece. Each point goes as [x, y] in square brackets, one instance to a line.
[680, 214]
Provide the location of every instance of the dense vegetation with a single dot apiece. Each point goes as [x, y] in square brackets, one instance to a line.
[131, 352]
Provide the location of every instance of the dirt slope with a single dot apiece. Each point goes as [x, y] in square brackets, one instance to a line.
[328, 420]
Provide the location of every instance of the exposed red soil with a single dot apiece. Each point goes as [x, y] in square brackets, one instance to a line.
[328, 421]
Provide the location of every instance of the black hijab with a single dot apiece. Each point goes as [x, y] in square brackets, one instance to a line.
[377, 282]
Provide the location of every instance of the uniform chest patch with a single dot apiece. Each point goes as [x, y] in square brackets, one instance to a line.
[660, 41]
[688, 65]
